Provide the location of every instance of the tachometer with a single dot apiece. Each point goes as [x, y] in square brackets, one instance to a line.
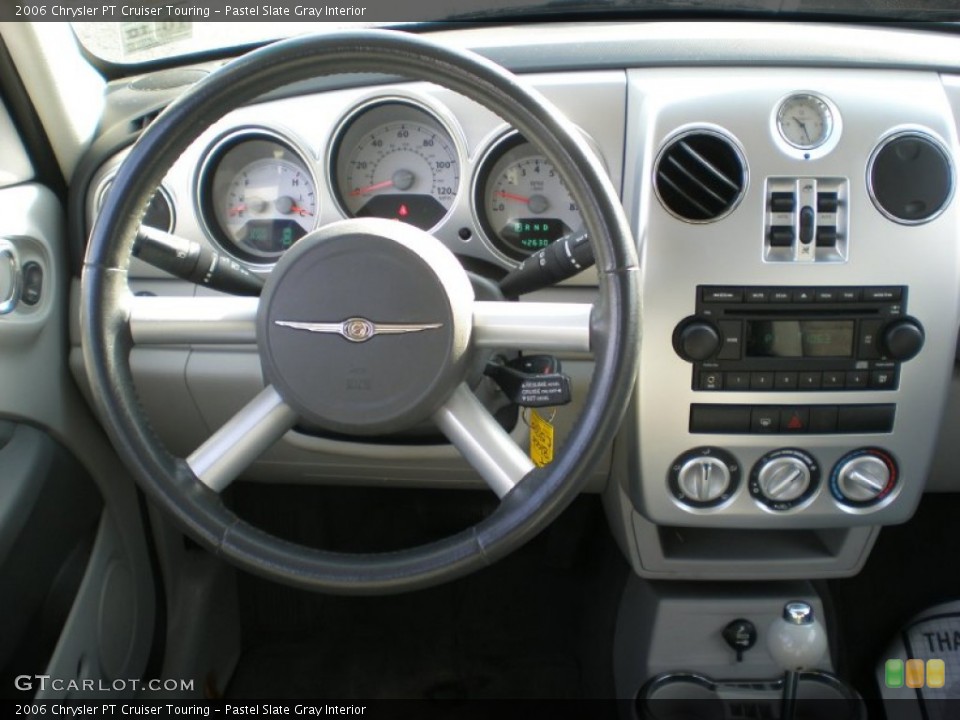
[394, 160]
[257, 195]
[522, 203]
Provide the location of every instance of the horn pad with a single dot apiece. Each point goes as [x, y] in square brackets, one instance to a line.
[364, 326]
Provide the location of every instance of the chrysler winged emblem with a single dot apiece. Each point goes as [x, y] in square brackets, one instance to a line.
[358, 329]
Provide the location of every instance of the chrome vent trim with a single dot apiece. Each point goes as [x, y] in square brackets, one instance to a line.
[700, 175]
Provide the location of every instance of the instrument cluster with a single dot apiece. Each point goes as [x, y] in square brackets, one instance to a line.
[260, 185]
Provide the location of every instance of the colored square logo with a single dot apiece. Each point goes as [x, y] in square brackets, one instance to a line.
[914, 673]
[936, 674]
[893, 673]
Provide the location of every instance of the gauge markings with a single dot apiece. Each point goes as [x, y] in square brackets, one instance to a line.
[405, 170]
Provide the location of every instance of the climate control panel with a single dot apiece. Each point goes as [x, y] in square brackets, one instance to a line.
[783, 480]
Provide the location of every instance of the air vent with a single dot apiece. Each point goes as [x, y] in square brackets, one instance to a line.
[700, 176]
[910, 178]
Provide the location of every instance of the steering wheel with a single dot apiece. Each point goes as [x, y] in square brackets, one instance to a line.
[364, 326]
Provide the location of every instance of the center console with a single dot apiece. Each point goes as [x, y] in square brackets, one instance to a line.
[799, 250]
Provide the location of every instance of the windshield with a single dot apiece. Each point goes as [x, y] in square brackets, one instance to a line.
[181, 29]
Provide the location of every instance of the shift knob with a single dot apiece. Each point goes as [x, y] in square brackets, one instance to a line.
[797, 641]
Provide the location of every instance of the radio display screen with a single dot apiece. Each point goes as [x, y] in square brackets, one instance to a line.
[800, 338]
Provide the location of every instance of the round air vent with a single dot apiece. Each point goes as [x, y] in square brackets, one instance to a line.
[910, 178]
[700, 176]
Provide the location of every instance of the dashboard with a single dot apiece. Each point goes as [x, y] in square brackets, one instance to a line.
[798, 229]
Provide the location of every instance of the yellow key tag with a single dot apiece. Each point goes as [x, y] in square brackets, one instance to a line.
[541, 439]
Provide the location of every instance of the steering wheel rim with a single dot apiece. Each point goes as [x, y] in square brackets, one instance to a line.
[171, 483]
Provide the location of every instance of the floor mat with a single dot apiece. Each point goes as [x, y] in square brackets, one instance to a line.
[538, 624]
[913, 567]
[919, 674]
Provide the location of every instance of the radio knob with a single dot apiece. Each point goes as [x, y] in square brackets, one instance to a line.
[704, 479]
[784, 479]
[864, 478]
[902, 339]
[698, 340]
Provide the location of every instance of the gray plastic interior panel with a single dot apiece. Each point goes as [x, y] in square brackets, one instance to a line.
[679, 256]
[665, 552]
[676, 627]
[36, 388]
[16, 167]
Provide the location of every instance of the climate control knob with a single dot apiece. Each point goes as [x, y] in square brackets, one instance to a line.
[696, 340]
[704, 477]
[703, 480]
[864, 477]
[784, 479]
[902, 339]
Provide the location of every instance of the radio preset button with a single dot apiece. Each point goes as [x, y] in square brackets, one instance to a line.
[761, 381]
[785, 381]
[737, 380]
[832, 379]
[809, 380]
[857, 380]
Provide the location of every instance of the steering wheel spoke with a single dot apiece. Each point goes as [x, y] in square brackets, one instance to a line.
[537, 326]
[189, 320]
[482, 441]
[242, 439]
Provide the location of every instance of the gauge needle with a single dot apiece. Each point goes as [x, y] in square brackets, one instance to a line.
[803, 126]
[300, 211]
[371, 188]
[511, 196]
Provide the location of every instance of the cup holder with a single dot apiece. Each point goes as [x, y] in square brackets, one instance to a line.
[687, 696]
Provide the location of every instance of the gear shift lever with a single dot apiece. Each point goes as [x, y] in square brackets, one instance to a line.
[797, 641]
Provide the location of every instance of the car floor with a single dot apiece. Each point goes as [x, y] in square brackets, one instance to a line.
[538, 624]
[912, 567]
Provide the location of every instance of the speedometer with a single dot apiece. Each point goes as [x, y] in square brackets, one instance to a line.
[394, 160]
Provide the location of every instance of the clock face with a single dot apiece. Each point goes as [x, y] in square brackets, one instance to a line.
[805, 121]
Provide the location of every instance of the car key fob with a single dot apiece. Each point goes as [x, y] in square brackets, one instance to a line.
[531, 381]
